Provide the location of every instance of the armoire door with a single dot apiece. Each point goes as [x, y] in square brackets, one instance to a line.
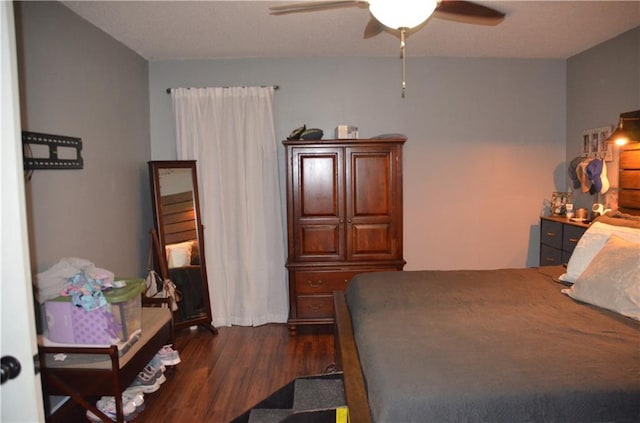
[372, 223]
[318, 204]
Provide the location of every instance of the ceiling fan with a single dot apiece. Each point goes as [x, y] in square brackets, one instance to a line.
[402, 15]
[408, 14]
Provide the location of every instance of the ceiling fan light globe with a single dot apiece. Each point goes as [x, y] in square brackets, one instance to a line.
[397, 14]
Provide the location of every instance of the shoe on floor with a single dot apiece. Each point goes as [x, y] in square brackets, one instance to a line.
[168, 356]
[156, 363]
[153, 373]
[136, 398]
[143, 383]
[108, 406]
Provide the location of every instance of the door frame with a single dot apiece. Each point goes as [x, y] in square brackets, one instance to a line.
[21, 399]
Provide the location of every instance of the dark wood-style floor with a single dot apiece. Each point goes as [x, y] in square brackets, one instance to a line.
[222, 376]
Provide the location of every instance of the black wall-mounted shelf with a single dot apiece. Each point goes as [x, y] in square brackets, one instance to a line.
[52, 142]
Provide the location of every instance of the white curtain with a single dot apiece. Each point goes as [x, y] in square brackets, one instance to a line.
[230, 133]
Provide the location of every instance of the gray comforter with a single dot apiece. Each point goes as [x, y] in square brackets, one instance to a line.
[491, 346]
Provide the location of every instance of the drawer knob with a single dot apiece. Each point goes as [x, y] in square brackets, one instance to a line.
[551, 234]
[549, 259]
[314, 307]
[314, 284]
[575, 240]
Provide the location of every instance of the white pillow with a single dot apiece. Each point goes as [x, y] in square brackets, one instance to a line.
[179, 255]
[591, 242]
[612, 279]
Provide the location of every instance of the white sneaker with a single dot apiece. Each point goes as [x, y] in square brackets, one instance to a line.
[161, 379]
[136, 398]
[154, 374]
[108, 406]
[168, 356]
[156, 363]
[143, 383]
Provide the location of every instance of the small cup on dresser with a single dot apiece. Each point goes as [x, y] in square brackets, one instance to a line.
[581, 213]
[569, 211]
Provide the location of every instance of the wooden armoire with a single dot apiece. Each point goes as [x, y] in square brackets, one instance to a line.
[344, 217]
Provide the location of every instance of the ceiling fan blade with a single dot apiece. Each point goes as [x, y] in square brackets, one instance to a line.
[373, 28]
[314, 6]
[468, 12]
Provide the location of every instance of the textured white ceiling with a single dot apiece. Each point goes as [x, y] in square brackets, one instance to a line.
[170, 30]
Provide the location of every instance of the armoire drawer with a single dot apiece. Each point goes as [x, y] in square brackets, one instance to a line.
[322, 282]
[314, 306]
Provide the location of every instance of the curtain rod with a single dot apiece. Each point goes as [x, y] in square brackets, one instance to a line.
[275, 87]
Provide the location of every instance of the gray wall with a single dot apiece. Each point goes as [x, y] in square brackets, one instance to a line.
[486, 139]
[602, 82]
[77, 81]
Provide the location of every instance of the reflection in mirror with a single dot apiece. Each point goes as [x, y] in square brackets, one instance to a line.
[177, 219]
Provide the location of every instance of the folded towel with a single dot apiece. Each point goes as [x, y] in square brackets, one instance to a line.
[53, 281]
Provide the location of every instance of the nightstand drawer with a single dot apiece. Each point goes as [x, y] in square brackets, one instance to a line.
[550, 256]
[570, 237]
[558, 239]
[551, 233]
[565, 257]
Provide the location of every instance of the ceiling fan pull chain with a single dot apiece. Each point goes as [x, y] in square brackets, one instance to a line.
[402, 56]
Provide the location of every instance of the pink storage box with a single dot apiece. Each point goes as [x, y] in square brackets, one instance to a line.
[59, 321]
[116, 322]
[95, 327]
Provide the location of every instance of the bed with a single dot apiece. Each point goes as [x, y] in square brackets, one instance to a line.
[500, 345]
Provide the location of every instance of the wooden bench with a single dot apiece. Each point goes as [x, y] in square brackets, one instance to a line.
[98, 371]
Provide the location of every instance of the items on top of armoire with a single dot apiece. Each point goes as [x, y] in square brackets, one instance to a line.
[304, 133]
[342, 132]
[346, 132]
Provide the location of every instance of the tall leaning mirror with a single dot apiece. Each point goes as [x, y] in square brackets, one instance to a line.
[176, 210]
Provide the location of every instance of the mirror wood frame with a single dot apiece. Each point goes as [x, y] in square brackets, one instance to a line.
[156, 168]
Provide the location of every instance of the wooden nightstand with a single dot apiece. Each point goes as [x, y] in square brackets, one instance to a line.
[558, 238]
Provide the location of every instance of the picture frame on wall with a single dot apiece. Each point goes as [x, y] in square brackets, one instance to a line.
[586, 143]
[604, 147]
[594, 143]
[595, 135]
